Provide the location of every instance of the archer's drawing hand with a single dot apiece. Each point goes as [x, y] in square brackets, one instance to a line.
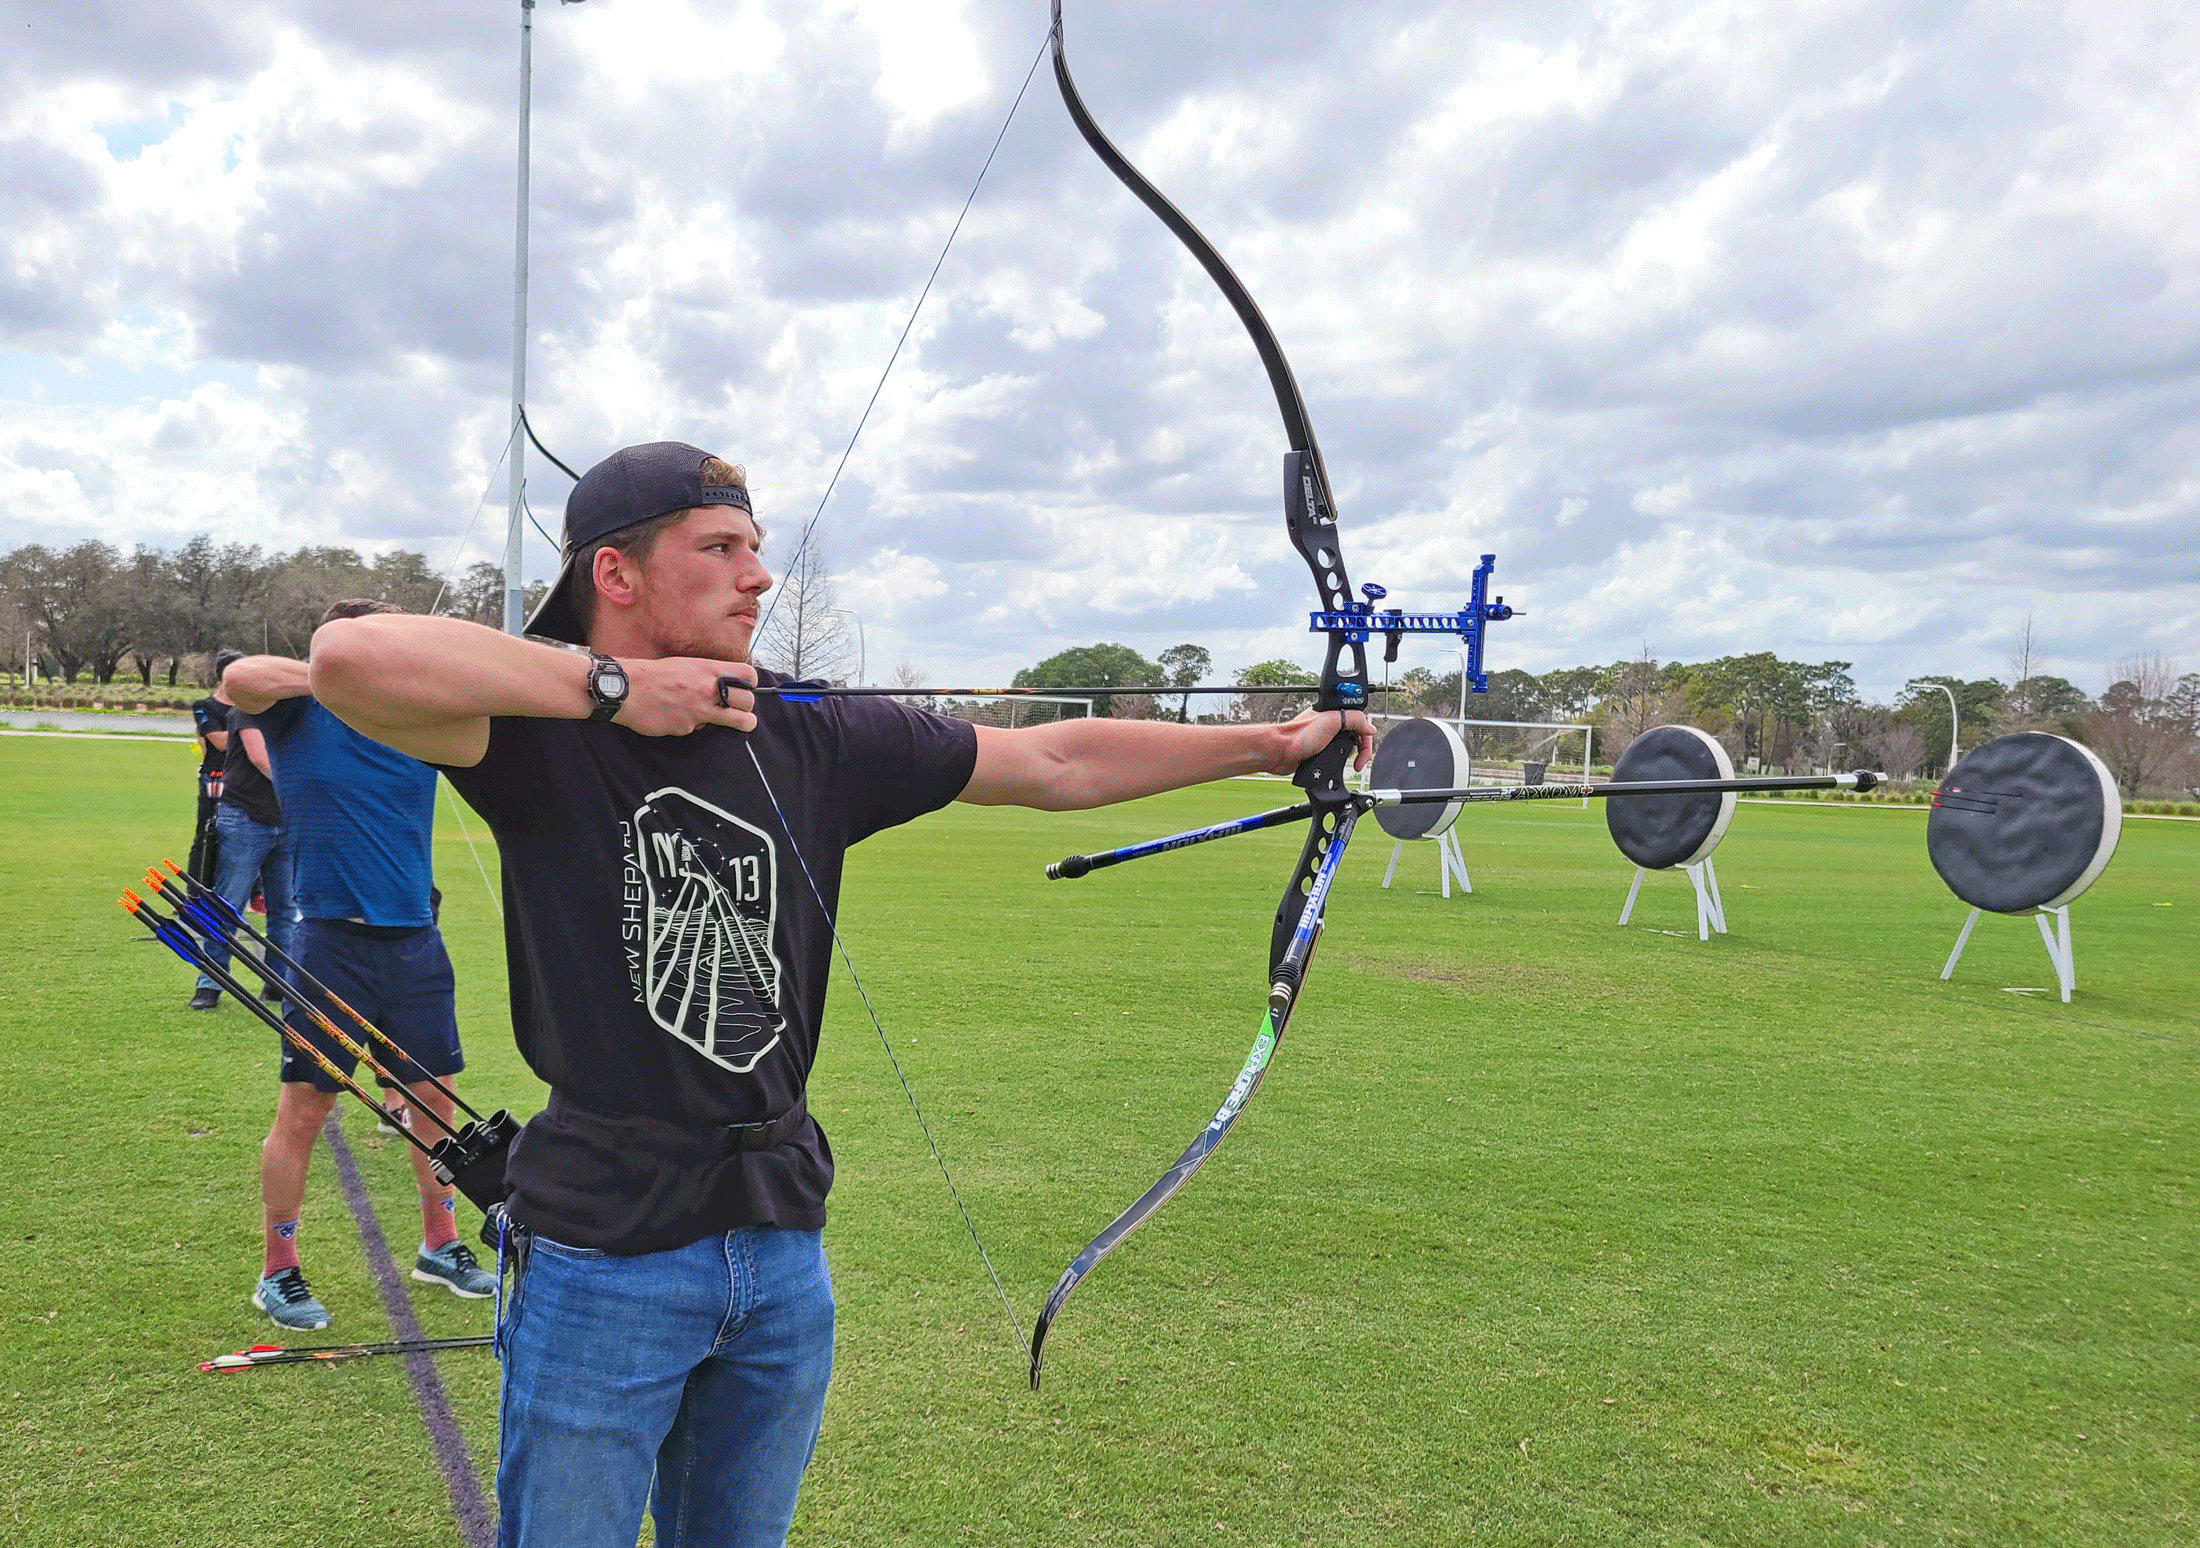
[1311, 730]
[677, 694]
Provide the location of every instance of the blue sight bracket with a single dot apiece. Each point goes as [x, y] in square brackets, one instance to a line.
[1363, 620]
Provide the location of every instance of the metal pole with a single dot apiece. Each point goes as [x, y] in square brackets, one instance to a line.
[862, 671]
[514, 586]
[1461, 652]
[1954, 741]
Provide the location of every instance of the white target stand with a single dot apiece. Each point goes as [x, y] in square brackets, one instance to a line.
[1449, 862]
[1673, 833]
[1710, 910]
[1422, 755]
[2056, 937]
[2023, 825]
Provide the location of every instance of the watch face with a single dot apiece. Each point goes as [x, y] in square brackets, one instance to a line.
[612, 683]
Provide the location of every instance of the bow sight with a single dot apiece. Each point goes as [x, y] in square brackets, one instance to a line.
[1361, 620]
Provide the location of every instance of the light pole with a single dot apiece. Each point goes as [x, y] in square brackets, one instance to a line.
[862, 675]
[1955, 742]
[514, 583]
[1461, 652]
[515, 619]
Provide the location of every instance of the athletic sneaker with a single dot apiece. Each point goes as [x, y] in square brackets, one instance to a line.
[454, 1267]
[285, 1296]
[400, 1112]
[206, 999]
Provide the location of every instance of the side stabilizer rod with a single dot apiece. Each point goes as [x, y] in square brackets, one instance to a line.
[1079, 865]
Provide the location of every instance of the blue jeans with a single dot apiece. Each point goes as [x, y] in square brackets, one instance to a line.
[250, 852]
[705, 1366]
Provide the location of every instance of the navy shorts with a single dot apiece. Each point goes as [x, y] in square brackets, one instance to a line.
[398, 979]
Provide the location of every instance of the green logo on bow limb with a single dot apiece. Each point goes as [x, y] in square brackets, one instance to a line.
[1249, 1077]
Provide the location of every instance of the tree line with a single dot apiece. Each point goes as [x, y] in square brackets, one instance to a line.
[1771, 713]
[90, 610]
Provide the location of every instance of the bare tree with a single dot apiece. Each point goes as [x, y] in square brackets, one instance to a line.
[1900, 748]
[2139, 729]
[1630, 702]
[907, 674]
[2020, 712]
[803, 635]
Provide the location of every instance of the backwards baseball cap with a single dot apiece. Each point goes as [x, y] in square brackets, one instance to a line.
[632, 485]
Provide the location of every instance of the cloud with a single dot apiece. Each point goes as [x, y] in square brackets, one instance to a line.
[1851, 330]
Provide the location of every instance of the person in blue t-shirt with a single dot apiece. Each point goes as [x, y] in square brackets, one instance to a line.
[362, 818]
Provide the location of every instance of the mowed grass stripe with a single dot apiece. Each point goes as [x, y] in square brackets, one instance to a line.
[1540, 1230]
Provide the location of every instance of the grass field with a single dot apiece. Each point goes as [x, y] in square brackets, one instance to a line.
[1541, 1231]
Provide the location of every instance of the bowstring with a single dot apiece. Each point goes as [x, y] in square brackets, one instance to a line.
[892, 1058]
[444, 584]
[809, 527]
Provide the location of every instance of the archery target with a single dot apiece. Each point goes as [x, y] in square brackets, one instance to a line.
[1662, 831]
[1419, 755]
[2027, 821]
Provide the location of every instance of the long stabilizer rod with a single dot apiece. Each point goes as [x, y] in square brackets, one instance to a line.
[1074, 866]
[1861, 779]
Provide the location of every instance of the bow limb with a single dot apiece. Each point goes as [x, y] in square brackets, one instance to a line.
[1309, 509]
[1311, 522]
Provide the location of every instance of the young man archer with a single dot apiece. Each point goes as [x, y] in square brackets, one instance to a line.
[670, 1339]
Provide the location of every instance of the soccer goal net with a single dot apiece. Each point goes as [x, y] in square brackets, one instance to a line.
[1515, 752]
[1009, 711]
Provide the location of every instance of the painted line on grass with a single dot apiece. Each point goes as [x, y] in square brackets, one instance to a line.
[476, 1524]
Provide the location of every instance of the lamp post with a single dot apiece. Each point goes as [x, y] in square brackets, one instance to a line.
[1954, 741]
[515, 615]
[862, 674]
[514, 582]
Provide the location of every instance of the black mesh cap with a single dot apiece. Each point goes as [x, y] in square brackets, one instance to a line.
[632, 485]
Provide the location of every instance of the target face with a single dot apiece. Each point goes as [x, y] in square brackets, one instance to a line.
[1662, 831]
[1419, 755]
[2026, 821]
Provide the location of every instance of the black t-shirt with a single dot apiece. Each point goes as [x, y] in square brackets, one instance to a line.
[668, 959]
[209, 717]
[243, 785]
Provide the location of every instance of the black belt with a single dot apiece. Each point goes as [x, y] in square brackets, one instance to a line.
[732, 1138]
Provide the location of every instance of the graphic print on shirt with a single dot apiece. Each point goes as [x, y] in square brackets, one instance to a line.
[702, 899]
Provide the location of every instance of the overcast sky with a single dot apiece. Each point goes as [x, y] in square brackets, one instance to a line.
[1843, 330]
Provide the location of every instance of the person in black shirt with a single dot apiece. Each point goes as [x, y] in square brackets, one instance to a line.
[669, 865]
[254, 846]
[210, 729]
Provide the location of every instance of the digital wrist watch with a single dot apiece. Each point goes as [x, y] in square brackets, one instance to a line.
[607, 686]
